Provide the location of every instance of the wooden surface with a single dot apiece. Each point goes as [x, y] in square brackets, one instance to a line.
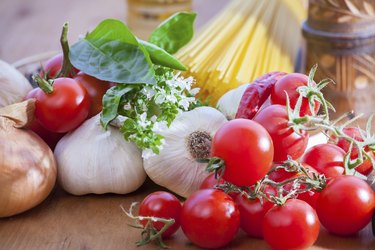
[64, 221]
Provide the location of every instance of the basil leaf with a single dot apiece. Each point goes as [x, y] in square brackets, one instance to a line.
[111, 102]
[175, 32]
[112, 53]
[161, 57]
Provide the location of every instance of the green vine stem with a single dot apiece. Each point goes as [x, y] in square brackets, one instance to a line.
[149, 232]
[67, 67]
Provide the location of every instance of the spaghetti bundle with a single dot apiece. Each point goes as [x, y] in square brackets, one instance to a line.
[248, 38]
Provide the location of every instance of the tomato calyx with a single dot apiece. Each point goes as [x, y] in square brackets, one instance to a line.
[149, 232]
[45, 85]
[214, 164]
[313, 92]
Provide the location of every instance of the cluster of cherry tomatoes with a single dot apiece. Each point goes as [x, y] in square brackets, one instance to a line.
[251, 150]
[64, 102]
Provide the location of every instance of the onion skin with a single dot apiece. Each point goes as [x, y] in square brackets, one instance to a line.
[27, 168]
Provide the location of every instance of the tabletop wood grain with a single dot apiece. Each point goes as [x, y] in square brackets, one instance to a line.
[64, 221]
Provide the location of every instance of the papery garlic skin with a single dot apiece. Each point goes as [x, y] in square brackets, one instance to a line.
[229, 102]
[13, 85]
[176, 167]
[27, 169]
[91, 159]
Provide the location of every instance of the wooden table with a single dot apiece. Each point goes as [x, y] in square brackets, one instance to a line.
[64, 221]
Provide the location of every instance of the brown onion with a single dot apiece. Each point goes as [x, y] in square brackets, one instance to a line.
[27, 165]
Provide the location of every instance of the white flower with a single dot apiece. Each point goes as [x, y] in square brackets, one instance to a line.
[147, 153]
[148, 92]
[127, 106]
[194, 91]
[143, 122]
[185, 102]
[160, 97]
[159, 126]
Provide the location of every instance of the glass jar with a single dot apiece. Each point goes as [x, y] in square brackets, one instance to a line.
[145, 15]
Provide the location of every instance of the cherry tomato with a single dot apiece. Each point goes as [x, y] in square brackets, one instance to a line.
[327, 159]
[294, 225]
[252, 212]
[210, 181]
[65, 108]
[247, 150]
[354, 132]
[289, 84]
[53, 66]
[210, 218]
[346, 205]
[95, 89]
[281, 175]
[286, 142]
[49, 137]
[162, 205]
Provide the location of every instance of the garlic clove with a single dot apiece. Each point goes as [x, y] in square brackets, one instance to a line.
[13, 85]
[187, 139]
[93, 160]
[229, 102]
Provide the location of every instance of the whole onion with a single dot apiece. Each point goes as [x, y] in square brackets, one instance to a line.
[27, 165]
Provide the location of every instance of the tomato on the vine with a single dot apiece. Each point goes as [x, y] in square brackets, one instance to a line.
[327, 159]
[53, 66]
[252, 212]
[293, 225]
[346, 205]
[65, 108]
[210, 218]
[286, 142]
[289, 84]
[247, 150]
[164, 205]
[355, 133]
[95, 89]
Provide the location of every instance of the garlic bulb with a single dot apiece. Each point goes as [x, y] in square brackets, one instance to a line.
[27, 165]
[93, 160]
[13, 85]
[187, 139]
[229, 102]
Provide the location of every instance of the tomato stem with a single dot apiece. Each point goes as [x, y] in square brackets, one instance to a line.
[67, 67]
[45, 85]
[149, 233]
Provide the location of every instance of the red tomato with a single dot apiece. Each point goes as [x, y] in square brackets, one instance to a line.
[95, 89]
[346, 205]
[49, 137]
[53, 66]
[162, 205]
[252, 212]
[210, 181]
[281, 175]
[354, 132]
[293, 225]
[65, 108]
[210, 218]
[286, 142]
[290, 83]
[247, 150]
[327, 159]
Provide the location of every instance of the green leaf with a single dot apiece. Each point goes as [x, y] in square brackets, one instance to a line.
[112, 53]
[161, 57]
[111, 102]
[175, 32]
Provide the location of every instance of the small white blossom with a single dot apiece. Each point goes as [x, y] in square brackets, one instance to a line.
[127, 106]
[194, 91]
[148, 92]
[159, 126]
[143, 122]
[147, 153]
